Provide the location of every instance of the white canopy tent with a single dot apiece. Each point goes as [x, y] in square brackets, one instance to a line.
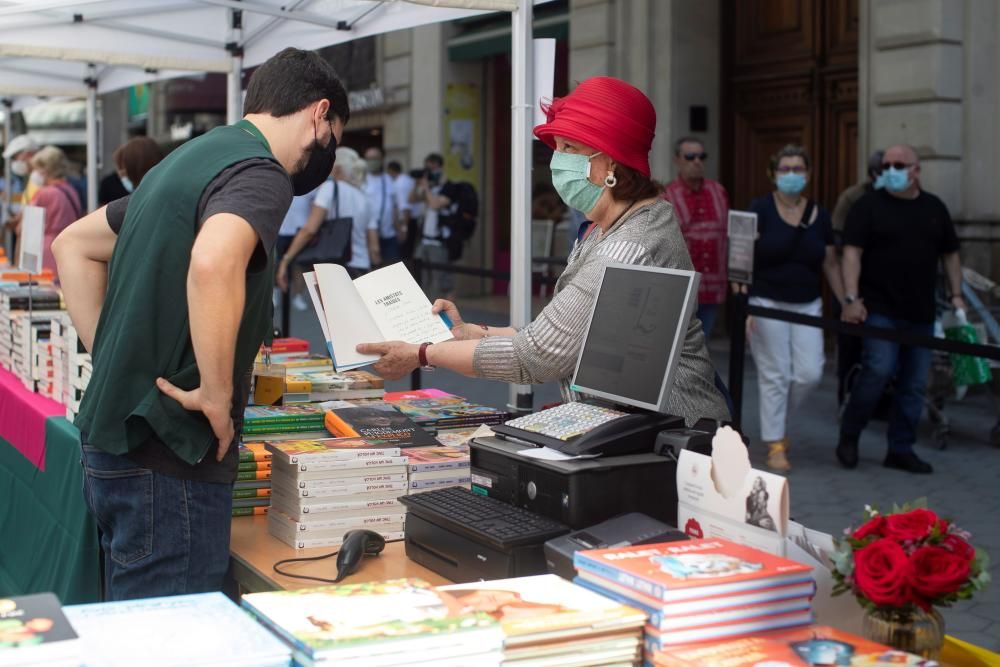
[87, 47]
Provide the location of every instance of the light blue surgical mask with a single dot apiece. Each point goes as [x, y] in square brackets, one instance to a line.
[879, 181]
[571, 179]
[126, 183]
[791, 183]
[896, 180]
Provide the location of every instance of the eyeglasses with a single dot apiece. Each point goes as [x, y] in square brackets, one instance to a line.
[797, 169]
[691, 157]
[896, 165]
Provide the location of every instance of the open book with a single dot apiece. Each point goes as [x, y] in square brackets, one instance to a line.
[383, 305]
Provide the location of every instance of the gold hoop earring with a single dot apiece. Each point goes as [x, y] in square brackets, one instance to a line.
[610, 181]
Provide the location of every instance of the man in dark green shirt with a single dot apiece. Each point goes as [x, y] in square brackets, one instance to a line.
[170, 290]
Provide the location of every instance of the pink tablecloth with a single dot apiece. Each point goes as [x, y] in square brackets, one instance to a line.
[22, 418]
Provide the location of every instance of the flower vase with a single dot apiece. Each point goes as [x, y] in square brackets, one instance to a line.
[911, 630]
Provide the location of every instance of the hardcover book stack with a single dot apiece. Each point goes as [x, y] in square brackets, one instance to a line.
[437, 467]
[701, 590]
[252, 490]
[204, 629]
[80, 372]
[328, 385]
[321, 489]
[546, 620]
[19, 330]
[288, 349]
[799, 647]
[435, 410]
[288, 422]
[378, 624]
[32, 353]
[65, 345]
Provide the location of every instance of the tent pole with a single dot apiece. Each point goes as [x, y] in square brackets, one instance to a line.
[92, 147]
[234, 79]
[522, 69]
[8, 129]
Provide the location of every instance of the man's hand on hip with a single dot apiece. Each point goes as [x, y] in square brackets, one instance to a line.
[216, 409]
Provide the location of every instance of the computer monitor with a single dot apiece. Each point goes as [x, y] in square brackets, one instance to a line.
[636, 334]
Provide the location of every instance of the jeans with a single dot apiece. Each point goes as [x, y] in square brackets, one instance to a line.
[881, 360]
[160, 535]
[706, 313]
[789, 359]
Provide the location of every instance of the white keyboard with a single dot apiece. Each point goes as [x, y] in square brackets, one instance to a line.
[567, 420]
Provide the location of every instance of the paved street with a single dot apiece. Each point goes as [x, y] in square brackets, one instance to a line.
[965, 486]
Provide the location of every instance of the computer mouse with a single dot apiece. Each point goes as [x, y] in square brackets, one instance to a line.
[357, 544]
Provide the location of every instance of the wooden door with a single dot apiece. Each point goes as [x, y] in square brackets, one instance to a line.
[790, 75]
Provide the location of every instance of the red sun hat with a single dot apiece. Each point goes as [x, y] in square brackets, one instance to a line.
[604, 113]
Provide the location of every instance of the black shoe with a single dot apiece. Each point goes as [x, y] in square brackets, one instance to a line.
[847, 452]
[908, 462]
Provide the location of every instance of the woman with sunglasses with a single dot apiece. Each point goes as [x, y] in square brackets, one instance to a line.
[794, 250]
[601, 135]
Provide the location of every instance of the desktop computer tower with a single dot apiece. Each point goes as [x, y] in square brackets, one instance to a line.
[577, 493]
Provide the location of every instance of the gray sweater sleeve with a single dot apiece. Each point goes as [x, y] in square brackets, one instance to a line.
[547, 349]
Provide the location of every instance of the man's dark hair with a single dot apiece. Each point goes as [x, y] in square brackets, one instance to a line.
[686, 140]
[434, 158]
[394, 166]
[292, 80]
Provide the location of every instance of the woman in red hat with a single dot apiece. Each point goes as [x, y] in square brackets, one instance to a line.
[601, 134]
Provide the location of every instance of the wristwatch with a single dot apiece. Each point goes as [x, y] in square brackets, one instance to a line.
[849, 299]
[422, 356]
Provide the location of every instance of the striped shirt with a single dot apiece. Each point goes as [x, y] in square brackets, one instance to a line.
[547, 349]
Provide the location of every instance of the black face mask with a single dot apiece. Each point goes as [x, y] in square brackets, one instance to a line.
[317, 168]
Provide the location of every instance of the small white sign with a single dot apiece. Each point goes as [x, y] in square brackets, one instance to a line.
[742, 237]
[32, 239]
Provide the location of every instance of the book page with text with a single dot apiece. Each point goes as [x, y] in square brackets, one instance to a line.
[399, 307]
[347, 318]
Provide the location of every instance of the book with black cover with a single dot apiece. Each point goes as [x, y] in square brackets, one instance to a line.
[377, 422]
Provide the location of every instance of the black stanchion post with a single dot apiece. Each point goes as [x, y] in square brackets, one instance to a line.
[737, 354]
[286, 314]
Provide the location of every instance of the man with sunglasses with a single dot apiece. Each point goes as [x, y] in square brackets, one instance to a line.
[893, 241]
[702, 208]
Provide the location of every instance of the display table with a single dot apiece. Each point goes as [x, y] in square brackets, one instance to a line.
[253, 553]
[48, 540]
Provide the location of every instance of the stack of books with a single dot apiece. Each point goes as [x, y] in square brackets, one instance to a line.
[35, 631]
[800, 647]
[80, 371]
[204, 629]
[252, 490]
[328, 385]
[288, 349]
[288, 422]
[321, 489]
[378, 624]
[31, 353]
[22, 331]
[376, 422]
[434, 409]
[546, 620]
[700, 590]
[65, 346]
[437, 467]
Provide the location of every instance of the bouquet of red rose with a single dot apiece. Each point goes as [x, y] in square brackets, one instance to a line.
[908, 558]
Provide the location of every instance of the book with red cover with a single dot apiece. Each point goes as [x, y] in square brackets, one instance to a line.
[801, 647]
[692, 569]
[435, 409]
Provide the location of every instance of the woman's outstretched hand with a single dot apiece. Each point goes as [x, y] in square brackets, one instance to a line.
[398, 360]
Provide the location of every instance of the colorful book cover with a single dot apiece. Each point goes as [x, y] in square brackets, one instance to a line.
[250, 511]
[251, 493]
[801, 647]
[245, 466]
[258, 415]
[439, 409]
[427, 459]
[542, 607]
[691, 569]
[331, 381]
[372, 618]
[253, 451]
[377, 423]
[33, 628]
[328, 450]
[285, 345]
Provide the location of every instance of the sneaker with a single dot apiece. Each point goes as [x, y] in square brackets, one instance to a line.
[776, 458]
[908, 462]
[299, 303]
[847, 452]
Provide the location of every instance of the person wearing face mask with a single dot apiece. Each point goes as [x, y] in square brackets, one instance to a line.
[58, 198]
[601, 134]
[794, 250]
[132, 160]
[381, 194]
[19, 152]
[170, 291]
[893, 241]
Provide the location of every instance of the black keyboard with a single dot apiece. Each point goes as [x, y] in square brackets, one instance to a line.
[482, 518]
